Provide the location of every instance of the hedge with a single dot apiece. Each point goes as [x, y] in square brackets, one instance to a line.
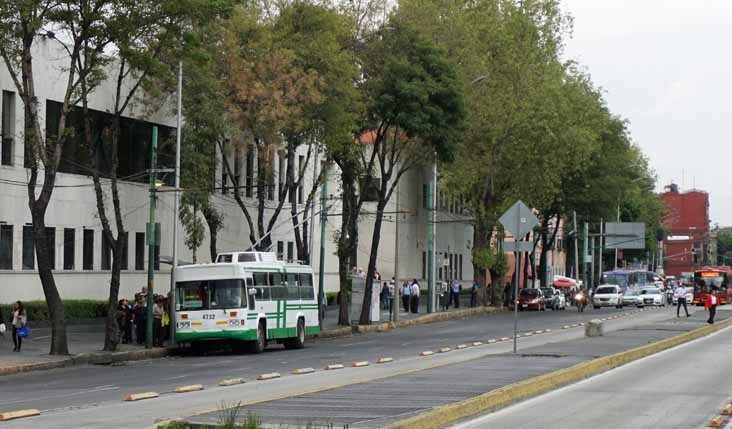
[75, 309]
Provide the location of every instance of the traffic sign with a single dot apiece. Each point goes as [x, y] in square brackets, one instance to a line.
[519, 219]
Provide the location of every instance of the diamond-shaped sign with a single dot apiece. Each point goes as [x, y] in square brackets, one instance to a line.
[519, 220]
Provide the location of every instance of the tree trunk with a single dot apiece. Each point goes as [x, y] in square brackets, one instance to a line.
[111, 329]
[482, 240]
[213, 228]
[347, 240]
[365, 318]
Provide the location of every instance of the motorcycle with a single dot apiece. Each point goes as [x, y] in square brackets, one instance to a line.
[580, 300]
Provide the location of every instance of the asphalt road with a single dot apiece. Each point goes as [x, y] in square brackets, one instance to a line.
[87, 386]
[680, 388]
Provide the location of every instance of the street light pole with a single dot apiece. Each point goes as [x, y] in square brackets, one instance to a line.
[151, 241]
[395, 307]
[176, 207]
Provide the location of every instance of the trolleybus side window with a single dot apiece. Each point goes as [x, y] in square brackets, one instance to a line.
[261, 283]
[293, 291]
[306, 286]
[250, 298]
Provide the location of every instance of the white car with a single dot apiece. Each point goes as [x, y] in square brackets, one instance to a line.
[608, 296]
[651, 296]
[631, 297]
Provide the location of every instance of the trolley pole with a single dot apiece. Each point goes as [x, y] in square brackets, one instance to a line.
[151, 241]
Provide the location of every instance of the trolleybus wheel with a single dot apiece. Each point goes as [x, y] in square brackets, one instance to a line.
[299, 341]
[261, 342]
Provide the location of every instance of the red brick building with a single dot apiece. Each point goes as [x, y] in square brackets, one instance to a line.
[687, 225]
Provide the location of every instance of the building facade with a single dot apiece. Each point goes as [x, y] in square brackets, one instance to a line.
[688, 244]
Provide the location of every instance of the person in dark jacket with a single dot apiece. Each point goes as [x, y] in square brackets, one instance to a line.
[140, 314]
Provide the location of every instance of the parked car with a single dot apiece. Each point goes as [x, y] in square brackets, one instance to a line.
[531, 299]
[608, 296]
[631, 297]
[689, 296]
[651, 296]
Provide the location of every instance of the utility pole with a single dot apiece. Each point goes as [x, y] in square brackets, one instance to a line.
[151, 240]
[576, 247]
[585, 253]
[616, 249]
[602, 251]
[176, 206]
[323, 223]
[431, 242]
[592, 261]
[395, 306]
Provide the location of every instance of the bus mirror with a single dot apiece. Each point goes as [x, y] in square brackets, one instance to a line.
[252, 291]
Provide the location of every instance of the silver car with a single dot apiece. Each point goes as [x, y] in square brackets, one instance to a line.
[631, 297]
[651, 296]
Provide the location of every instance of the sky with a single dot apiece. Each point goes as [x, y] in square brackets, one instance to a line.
[666, 67]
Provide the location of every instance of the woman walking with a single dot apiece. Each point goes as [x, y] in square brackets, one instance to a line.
[19, 320]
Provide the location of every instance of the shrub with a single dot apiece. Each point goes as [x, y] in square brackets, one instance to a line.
[75, 309]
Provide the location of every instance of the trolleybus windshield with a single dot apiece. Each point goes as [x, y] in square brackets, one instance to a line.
[209, 294]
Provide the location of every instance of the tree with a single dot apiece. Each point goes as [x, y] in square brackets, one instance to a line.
[24, 24]
[414, 115]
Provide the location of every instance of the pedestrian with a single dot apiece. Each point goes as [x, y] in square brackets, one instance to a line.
[383, 294]
[391, 289]
[711, 305]
[414, 294]
[140, 314]
[680, 295]
[165, 323]
[121, 319]
[455, 293]
[507, 295]
[19, 319]
[474, 294]
[157, 322]
[127, 339]
[406, 293]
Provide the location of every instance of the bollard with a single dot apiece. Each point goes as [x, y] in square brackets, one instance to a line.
[594, 328]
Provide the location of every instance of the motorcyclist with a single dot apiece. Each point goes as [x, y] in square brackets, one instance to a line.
[580, 299]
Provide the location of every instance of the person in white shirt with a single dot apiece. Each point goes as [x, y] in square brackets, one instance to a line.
[454, 294]
[680, 296]
[414, 289]
[406, 293]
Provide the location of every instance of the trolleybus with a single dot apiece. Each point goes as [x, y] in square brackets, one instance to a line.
[246, 298]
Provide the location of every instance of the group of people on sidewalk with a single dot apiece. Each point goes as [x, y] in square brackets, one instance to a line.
[133, 318]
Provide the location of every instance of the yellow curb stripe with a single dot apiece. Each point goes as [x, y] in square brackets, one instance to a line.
[12, 415]
[502, 397]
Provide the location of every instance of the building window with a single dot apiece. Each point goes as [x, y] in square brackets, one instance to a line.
[280, 250]
[88, 251]
[290, 251]
[106, 253]
[51, 244]
[460, 267]
[237, 167]
[282, 175]
[28, 248]
[69, 248]
[6, 247]
[301, 173]
[250, 173]
[7, 128]
[140, 251]
[270, 176]
[124, 259]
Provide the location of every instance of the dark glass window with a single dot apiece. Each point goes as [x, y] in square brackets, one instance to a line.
[290, 252]
[51, 244]
[7, 128]
[6, 247]
[28, 248]
[69, 248]
[124, 260]
[280, 250]
[250, 173]
[88, 257]
[106, 253]
[140, 251]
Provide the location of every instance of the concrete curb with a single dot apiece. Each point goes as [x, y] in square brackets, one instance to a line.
[505, 396]
[102, 358]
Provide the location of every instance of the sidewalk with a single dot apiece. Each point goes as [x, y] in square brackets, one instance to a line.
[87, 339]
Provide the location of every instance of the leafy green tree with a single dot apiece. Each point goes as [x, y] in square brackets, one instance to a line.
[415, 109]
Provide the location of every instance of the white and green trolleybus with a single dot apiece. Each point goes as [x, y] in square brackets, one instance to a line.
[247, 298]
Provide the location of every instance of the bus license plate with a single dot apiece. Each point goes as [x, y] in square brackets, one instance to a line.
[183, 325]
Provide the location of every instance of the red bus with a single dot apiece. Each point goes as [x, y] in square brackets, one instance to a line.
[713, 280]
